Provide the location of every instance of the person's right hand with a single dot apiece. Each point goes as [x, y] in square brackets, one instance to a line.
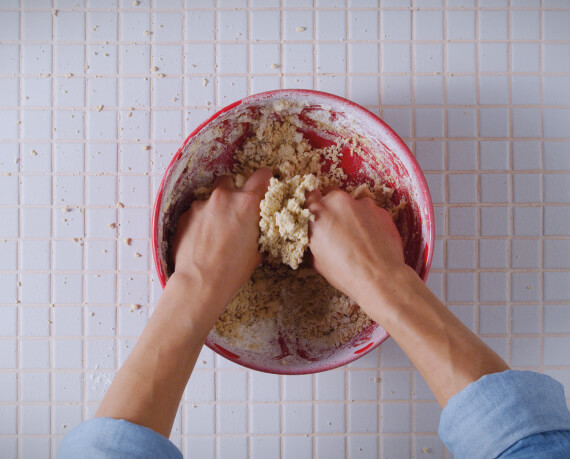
[355, 244]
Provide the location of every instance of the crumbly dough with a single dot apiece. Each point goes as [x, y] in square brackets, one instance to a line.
[284, 224]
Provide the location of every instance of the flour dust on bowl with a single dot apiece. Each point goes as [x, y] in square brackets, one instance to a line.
[284, 320]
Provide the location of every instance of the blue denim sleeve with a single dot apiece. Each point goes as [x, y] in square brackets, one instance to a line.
[102, 438]
[512, 414]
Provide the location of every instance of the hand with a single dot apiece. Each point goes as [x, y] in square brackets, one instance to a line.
[216, 240]
[354, 243]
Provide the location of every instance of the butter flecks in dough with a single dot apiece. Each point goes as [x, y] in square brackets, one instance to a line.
[284, 224]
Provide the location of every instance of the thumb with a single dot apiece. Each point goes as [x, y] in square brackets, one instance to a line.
[312, 198]
[258, 182]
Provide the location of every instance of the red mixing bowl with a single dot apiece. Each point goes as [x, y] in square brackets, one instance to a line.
[208, 152]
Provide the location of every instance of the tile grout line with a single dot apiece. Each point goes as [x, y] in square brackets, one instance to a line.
[216, 103]
[511, 190]
[19, 258]
[542, 211]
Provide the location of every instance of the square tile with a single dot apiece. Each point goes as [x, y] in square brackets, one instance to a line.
[331, 25]
[525, 57]
[555, 156]
[493, 89]
[428, 57]
[264, 387]
[557, 286]
[461, 122]
[462, 221]
[460, 25]
[462, 188]
[34, 354]
[461, 287]
[528, 221]
[8, 357]
[69, 59]
[100, 355]
[331, 58]
[429, 90]
[361, 447]
[297, 418]
[461, 57]
[525, 253]
[34, 321]
[395, 57]
[493, 319]
[68, 354]
[429, 155]
[330, 385]
[35, 387]
[495, 221]
[100, 321]
[556, 318]
[330, 418]
[493, 25]
[232, 419]
[265, 446]
[392, 446]
[265, 25]
[364, 26]
[364, 57]
[556, 254]
[329, 446]
[462, 155]
[493, 57]
[66, 418]
[399, 416]
[395, 385]
[525, 352]
[231, 386]
[299, 447]
[200, 419]
[9, 382]
[460, 254]
[493, 253]
[200, 25]
[495, 187]
[461, 90]
[36, 125]
[557, 188]
[67, 387]
[554, 348]
[494, 155]
[297, 20]
[555, 58]
[494, 122]
[232, 447]
[466, 314]
[553, 25]
[555, 121]
[41, 288]
[36, 58]
[265, 419]
[363, 418]
[525, 286]
[525, 319]
[527, 188]
[34, 420]
[526, 89]
[429, 122]
[428, 25]
[363, 385]
[396, 25]
[426, 417]
[525, 24]
[298, 387]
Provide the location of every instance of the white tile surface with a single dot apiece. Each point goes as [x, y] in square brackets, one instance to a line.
[486, 118]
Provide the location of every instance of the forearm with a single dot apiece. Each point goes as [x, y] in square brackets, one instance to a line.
[148, 388]
[447, 354]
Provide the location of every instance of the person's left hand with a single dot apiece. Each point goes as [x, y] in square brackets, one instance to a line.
[216, 240]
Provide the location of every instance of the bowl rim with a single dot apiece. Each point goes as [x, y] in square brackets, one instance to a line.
[363, 112]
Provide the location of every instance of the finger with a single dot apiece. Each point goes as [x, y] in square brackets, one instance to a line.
[225, 182]
[312, 198]
[258, 182]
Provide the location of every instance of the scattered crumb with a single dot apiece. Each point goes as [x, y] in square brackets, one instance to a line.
[134, 307]
[68, 75]
[136, 3]
[426, 450]
[376, 379]
[204, 362]
[205, 82]
[34, 153]
[7, 174]
[100, 107]
[127, 240]
[66, 209]
[120, 205]
[86, 67]
[274, 66]
[75, 239]
[174, 99]
[300, 29]
[92, 314]
[137, 255]
[146, 147]
[154, 69]
[160, 75]
[147, 32]
[112, 225]
[54, 12]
